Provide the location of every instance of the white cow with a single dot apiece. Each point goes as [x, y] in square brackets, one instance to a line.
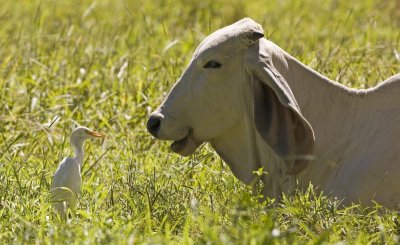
[259, 107]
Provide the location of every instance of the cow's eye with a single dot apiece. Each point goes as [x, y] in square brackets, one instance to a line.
[212, 64]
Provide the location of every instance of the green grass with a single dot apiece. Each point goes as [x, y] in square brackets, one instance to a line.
[107, 64]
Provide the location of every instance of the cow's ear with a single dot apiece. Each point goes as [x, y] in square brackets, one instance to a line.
[277, 117]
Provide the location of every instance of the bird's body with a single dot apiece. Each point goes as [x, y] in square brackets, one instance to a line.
[67, 175]
[67, 179]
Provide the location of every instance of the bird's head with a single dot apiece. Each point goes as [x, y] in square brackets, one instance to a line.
[82, 133]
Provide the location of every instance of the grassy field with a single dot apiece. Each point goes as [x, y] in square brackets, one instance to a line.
[108, 64]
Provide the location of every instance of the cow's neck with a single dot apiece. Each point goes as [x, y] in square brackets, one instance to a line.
[328, 106]
[237, 148]
[245, 151]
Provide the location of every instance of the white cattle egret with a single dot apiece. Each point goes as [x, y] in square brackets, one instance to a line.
[67, 179]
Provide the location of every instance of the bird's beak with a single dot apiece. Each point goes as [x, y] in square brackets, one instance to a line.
[96, 134]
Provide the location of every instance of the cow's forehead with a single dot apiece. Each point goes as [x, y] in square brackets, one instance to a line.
[228, 36]
[218, 39]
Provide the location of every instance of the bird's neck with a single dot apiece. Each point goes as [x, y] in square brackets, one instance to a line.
[78, 149]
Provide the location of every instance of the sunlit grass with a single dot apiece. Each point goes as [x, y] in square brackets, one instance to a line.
[107, 64]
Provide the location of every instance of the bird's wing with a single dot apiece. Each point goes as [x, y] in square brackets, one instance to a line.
[68, 174]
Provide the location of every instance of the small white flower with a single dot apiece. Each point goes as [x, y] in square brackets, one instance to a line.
[193, 204]
[82, 71]
[275, 232]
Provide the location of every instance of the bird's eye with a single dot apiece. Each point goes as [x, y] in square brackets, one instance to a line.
[212, 64]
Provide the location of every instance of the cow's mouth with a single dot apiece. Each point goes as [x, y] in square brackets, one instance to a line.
[186, 146]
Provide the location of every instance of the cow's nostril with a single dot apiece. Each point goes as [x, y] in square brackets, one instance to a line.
[153, 124]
